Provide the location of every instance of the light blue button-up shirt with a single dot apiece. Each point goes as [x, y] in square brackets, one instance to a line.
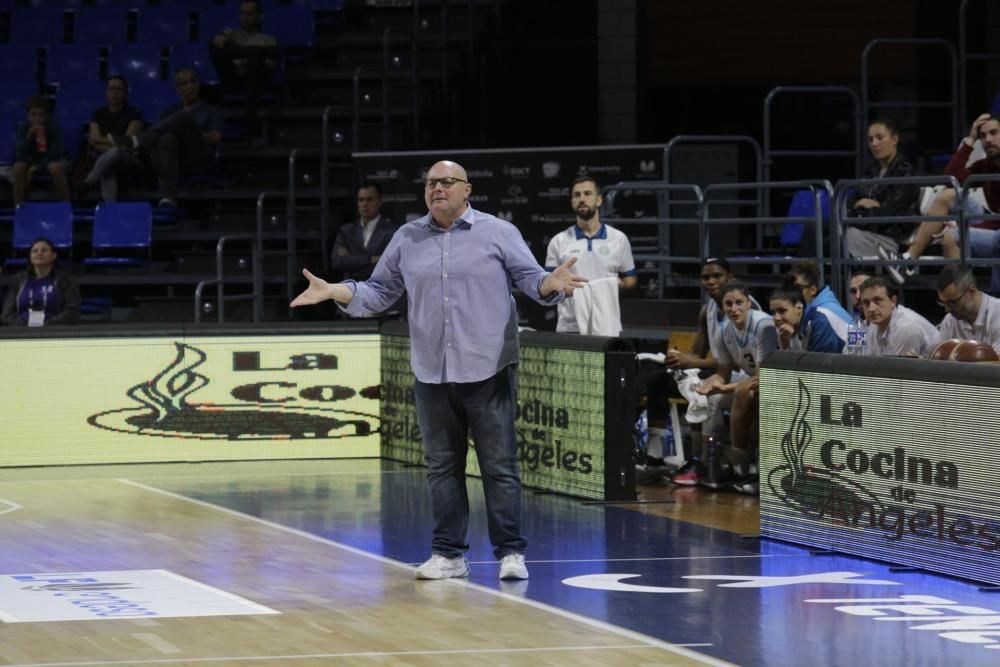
[463, 321]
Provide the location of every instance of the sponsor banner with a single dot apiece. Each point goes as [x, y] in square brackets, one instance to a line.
[893, 468]
[146, 399]
[559, 422]
[114, 595]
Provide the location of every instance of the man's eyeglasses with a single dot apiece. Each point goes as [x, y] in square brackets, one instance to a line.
[446, 183]
[953, 302]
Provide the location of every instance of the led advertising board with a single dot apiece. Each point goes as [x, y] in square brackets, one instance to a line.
[887, 458]
[571, 438]
[228, 397]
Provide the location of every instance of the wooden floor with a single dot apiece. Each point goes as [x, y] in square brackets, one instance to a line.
[338, 605]
[322, 556]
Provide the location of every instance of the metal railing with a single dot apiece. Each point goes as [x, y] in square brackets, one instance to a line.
[867, 105]
[840, 220]
[964, 56]
[814, 186]
[221, 298]
[665, 258]
[770, 152]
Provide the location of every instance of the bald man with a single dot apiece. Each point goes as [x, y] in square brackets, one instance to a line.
[456, 265]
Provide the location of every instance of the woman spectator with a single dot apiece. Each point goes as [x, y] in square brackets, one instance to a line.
[42, 294]
[881, 199]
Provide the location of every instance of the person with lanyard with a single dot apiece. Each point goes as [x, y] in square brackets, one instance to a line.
[456, 265]
[42, 295]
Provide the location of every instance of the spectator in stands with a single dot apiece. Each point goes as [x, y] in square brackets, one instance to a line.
[359, 245]
[744, 341]
[879, 199]
[824, 322]
[463, 342]
[604, 257]
[972, 315]
[894, 329]
[113, 165]
[41, 294]
[983, 238]
[182, 142]
[245, 58]
[858, 276]
[38, 148]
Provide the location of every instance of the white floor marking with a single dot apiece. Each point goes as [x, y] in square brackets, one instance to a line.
[11, 506]
[607, 627]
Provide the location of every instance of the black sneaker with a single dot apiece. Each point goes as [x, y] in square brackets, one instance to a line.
[899, 273]
[722, 478]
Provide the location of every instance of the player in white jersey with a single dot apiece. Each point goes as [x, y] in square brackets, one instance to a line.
[893, 330]
[972, 315]
[744, 342]
[601, 252]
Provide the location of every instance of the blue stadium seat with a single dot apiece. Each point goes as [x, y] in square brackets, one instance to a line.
[137, 62]
[152, 97]
[13, 96]
[39, 25]
[164, 24]
[125, 228]
[18, 61]
[196, 57]
[213, 19]
[101, 25]
[7, 129]
[35, 220]
[75, 103]
[803, 205]
[291, 25]
[66, 63]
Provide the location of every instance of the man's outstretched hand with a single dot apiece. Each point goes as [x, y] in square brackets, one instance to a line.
[562, 280]
[320, 290]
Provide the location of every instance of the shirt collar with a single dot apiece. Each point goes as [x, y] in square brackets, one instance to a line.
[468, 215]
[370, 223]
[602, 232]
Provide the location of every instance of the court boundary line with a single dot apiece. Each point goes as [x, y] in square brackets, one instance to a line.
[643, 560]
[356, 654]
[584, 620]
[12, 506]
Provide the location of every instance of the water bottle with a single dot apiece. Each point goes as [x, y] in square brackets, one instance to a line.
[856, 337]
[669, 448]
[713, 461]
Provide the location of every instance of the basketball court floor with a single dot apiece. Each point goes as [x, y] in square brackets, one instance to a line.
[312, 563]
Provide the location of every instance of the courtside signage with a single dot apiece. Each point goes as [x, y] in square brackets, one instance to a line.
[148, 399]
[559, 421]
[894, 468]
[115, 595]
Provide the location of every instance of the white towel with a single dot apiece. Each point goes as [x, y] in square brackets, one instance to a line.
[697, 408]
[596, 308]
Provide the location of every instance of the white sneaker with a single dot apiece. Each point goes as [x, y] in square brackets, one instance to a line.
[898, 272]
[439, 567]
[512, 567]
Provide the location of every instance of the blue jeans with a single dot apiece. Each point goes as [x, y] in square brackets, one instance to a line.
[982, 242]
[447, 413]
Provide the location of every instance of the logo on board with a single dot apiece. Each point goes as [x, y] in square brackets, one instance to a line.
[268, 403]
[834, 491]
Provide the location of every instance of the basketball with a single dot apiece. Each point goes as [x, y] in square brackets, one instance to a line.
[942, 351]
[974, 351]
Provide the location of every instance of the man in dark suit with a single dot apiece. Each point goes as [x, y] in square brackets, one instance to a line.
[360, 244]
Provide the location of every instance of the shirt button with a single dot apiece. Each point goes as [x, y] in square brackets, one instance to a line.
[444, 275]
[446, 298]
